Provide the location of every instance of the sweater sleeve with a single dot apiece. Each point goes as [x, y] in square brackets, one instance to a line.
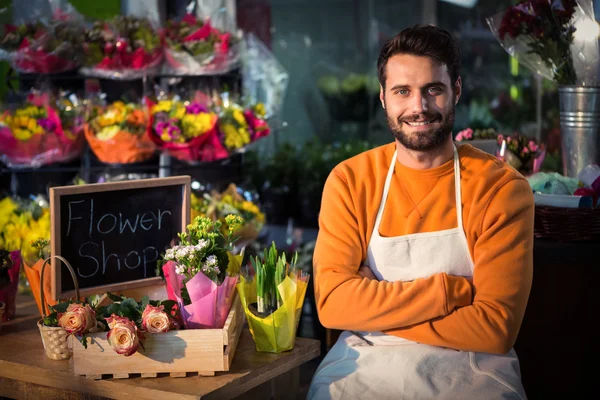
[347, 301]
[503, 258]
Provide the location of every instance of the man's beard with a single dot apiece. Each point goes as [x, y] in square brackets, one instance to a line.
[426, 140]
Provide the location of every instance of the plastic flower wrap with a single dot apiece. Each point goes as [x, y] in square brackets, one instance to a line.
[216, 206]
[272, 297]
[554, 38]
[45, 47]
[201, 272]
[116, 133]
[125, 47]
[185, 129]
[196, 47]
[41, 131]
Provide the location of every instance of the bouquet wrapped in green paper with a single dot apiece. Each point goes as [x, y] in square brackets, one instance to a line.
[272, 297]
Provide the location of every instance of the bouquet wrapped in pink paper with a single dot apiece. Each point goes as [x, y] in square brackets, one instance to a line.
[201, 272]
[42, 131]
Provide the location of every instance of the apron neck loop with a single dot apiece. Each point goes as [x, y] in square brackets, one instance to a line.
[457, 189]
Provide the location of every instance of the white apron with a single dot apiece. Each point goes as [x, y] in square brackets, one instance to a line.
[396, 368]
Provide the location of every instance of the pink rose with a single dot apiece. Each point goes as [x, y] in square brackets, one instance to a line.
[533, 145]
[464, 134]
[78, 319]
[123, 335]
[155, 320]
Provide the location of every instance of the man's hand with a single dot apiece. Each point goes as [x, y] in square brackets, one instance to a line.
[366, 272]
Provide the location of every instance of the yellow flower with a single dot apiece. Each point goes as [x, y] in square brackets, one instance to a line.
[179, 111]
[22, 134]
[239, 117]
[108, 133]
[163, 105]
[259, 109]
[196, 125]
[234, 138]
[119, 105]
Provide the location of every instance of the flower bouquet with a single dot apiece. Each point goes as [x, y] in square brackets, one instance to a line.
[21, 222]
[41, 131]
[216, 206]
[125, 47]
[116, 133]
[553, 38]
[45, 48]
[201, 272]
[522, 153]
[195, 47]
[187, 130]
[272, 298]
[239, 127]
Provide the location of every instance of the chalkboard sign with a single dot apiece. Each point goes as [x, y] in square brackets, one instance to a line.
[114, 233]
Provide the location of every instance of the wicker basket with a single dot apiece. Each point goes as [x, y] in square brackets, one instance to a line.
[567, 224]
[54, 339]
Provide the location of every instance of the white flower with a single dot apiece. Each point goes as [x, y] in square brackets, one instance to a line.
[211, 261]
[169, 255]
[181, 253]
[202, 244]
[180, 269]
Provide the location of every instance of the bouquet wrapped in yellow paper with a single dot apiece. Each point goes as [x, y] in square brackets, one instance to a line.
[272, 296]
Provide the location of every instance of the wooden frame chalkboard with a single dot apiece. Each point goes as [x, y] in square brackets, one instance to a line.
[93, 225]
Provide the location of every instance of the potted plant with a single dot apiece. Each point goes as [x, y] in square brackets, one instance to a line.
[272, 294]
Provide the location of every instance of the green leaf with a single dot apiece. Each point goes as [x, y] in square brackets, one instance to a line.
[130, 304]
[114, 308]
[93, 300]
[83, 340]
[114, 297]
[145, 302]
[168, 304]
[61, 307]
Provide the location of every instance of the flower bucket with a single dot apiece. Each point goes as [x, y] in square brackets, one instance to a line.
[55, 339]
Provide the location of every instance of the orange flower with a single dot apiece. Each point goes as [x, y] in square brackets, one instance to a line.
[136, 117]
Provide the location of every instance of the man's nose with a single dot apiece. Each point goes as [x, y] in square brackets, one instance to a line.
[419, 103]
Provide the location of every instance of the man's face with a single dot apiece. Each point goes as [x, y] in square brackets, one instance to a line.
[419, 101]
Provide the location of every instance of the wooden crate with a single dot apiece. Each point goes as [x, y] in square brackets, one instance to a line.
[194, 351]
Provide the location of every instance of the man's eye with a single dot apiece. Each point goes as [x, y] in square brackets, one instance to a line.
[435, 89]
[402, 92]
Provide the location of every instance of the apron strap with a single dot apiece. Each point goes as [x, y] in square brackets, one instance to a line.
[386, 189]
[457, 189]
[388, 180]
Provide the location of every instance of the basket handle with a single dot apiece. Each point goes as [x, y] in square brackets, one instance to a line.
[42, 280]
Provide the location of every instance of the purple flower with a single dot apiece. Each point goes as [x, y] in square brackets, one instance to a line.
[174, 130]
[195, 108]
[47, 124]
[161, 126]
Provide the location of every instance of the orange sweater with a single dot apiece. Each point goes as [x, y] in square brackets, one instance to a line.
[440, 310]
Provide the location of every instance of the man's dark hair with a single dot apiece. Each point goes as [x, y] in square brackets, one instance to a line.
[425, 41]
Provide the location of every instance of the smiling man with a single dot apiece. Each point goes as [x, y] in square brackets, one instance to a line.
[424, 253]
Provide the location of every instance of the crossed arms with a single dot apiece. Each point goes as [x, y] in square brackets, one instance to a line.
[440, 310]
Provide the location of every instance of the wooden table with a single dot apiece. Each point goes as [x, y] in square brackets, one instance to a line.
[26, 372]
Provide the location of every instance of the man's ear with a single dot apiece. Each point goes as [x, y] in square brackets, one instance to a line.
[457, 90]
[382, 96]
